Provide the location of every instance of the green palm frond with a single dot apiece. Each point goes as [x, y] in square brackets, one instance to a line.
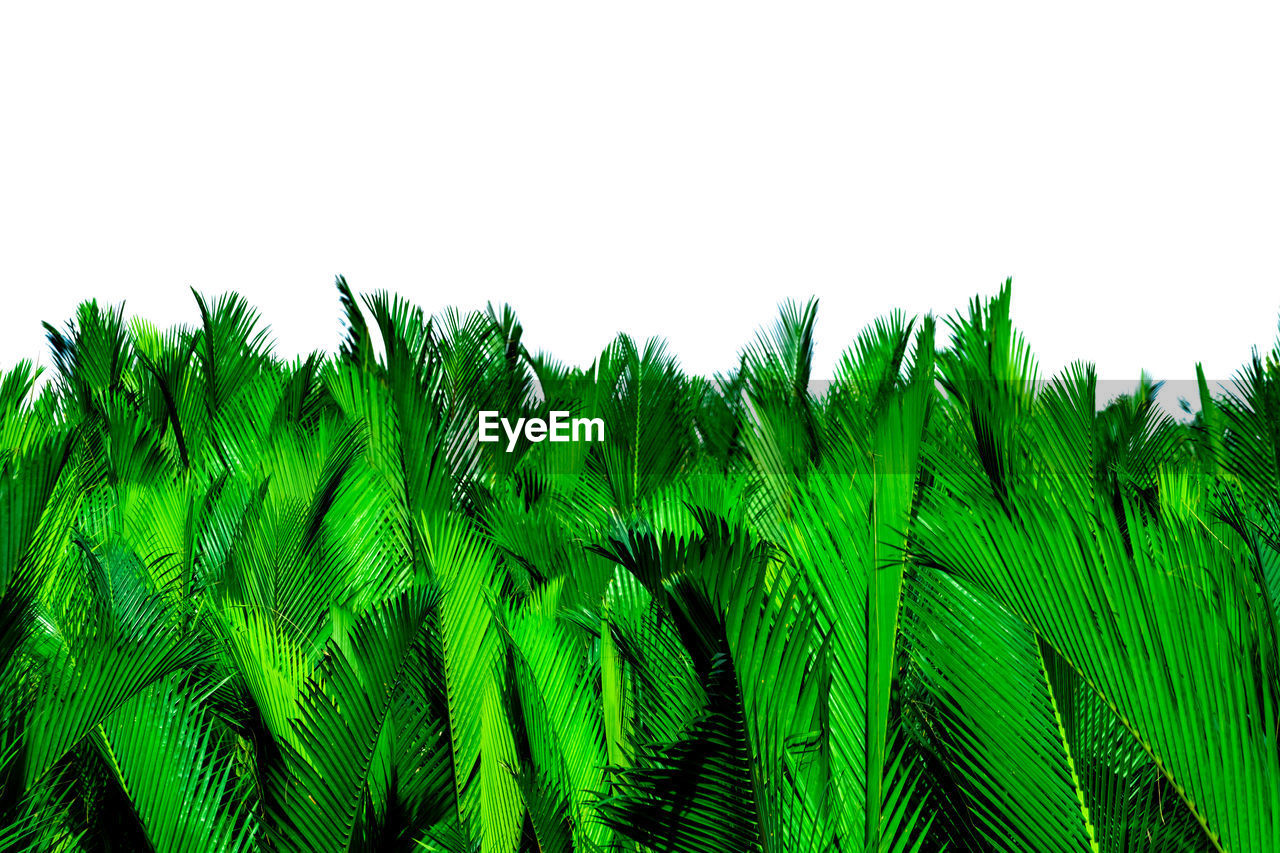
[175, 763]
[987, 705]
[1142, 602]
[317, 794]
[250, 602]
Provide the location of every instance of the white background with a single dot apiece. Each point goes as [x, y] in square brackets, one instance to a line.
[663, 168]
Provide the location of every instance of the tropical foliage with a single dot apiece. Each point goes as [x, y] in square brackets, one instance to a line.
[939, 602]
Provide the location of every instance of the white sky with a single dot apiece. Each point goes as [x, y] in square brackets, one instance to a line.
[663, 168]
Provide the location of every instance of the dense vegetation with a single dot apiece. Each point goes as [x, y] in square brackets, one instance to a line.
[251, 603]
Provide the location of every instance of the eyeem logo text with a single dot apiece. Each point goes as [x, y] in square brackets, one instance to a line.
[560, 428]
